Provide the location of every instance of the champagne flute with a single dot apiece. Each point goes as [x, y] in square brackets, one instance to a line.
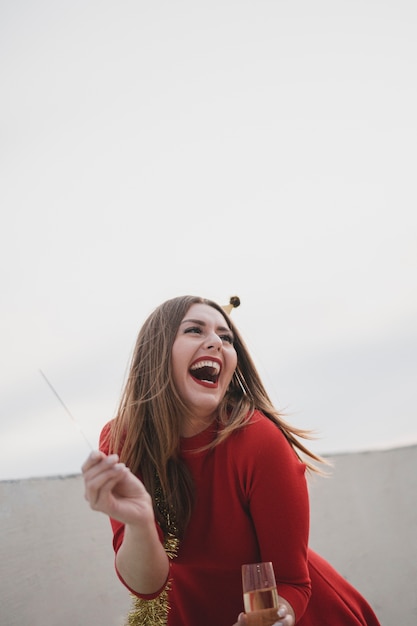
[259, 587]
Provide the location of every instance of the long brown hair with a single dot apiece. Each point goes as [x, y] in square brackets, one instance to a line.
[147, 427]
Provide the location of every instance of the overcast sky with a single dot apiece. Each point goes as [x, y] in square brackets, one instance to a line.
[259, 148]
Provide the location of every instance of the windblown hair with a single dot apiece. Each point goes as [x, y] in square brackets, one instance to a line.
[146, 430]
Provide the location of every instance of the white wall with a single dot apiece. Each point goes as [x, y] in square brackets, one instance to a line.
[364, 521]
[56, 558]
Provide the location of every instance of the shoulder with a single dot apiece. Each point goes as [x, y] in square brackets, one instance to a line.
[261, 429]
[260, 451]
[104, 439]
[261, 436]
[109, 438]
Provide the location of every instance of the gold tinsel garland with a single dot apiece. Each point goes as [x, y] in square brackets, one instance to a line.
[149, 612]
[154, 612]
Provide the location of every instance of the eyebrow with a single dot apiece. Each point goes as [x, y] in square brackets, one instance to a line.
[201, 323]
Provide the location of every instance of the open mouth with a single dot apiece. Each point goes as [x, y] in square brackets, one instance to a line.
[205, 371]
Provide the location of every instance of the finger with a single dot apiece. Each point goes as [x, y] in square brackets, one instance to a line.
[285, 615]
[286, 621]
[94, 457]
[282, 611]
[102, 464]
[97, 475]
[99, 489]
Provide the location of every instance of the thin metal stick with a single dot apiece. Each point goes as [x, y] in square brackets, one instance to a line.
[66, 408]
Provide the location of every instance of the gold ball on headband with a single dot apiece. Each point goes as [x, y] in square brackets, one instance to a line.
[234, 302]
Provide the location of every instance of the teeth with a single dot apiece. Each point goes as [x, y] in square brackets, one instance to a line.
[212, 364]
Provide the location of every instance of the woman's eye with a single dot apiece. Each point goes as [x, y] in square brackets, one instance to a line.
[199, 331]
[193, 329]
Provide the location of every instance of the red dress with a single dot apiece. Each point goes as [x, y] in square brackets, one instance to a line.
[251, 505]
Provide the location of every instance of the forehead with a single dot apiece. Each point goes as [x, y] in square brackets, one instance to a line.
[206, 314]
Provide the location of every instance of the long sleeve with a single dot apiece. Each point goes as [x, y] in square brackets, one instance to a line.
[276, 491]
[136, 556]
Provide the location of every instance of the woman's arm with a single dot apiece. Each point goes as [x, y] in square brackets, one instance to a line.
[111, 488]
[276, 491]
[141, 560]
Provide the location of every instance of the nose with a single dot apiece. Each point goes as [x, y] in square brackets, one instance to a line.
[213, 341]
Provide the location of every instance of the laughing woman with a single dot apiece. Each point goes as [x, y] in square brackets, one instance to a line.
[199, 474]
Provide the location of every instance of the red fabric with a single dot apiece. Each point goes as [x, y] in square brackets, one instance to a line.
[252, 505]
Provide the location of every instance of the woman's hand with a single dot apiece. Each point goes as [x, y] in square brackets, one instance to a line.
[111, 488]
[267, 617]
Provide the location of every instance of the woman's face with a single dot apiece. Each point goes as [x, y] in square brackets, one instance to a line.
[203, 360]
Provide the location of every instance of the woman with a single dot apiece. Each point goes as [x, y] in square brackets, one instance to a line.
[199, 474]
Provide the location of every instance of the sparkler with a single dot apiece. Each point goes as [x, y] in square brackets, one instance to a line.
[66, 409]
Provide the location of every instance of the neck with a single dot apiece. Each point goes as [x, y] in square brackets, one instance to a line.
[195, 425]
